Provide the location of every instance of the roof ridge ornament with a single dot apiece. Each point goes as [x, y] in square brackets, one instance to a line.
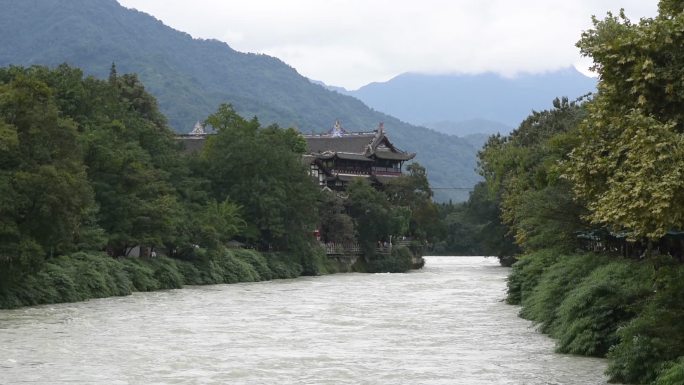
[198, 129]
[337, 130]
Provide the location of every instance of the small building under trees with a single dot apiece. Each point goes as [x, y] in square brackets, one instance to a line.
[337, 157]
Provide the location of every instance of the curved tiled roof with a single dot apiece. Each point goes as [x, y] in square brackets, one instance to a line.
[356, 146]
[350, 143]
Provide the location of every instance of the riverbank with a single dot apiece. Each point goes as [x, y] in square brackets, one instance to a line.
[82, 276]
[630, 311]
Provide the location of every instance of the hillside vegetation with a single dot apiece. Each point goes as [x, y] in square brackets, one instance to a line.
[97, 197]
[192, 77]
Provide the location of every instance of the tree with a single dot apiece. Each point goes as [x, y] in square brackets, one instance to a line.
[628, 165]
[412, 193]
[375, 219]
[522, 175]
[335, 224]
[45, 195]
[131, 158]
[260, 169]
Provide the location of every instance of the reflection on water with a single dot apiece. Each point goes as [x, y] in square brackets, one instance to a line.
[445, 324]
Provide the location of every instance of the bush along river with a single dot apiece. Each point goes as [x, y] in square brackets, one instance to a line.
[445, 324]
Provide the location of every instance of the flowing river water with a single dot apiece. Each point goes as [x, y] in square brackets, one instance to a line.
[444, 324]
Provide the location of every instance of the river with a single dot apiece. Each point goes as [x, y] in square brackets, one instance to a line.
[444, 324]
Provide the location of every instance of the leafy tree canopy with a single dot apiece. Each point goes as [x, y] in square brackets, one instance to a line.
[628, 164]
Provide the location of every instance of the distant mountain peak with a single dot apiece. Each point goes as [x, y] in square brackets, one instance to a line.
[417, 98]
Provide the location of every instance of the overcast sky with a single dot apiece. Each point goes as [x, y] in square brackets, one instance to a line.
[354, 42]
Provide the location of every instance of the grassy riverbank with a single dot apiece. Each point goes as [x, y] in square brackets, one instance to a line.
[629, 311]
[81, 276]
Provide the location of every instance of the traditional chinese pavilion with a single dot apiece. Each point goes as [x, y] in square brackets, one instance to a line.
[338, 156]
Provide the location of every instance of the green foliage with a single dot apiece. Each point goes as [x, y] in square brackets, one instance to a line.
[284, 265]
[399, 261]
[82, 276]
[274, 189]
[375, 219]
[223, 266]
[628, 164]
[44, 192]
[521, 173]
[69, 278]
[672, 374]
[166, 273]
[98, 275]
[141, 274]
[190, 77]
[411, 196]
[592, 311]
[474, 227]
[190, 273]
[554, 283]
[335, 224]
[313, 259]
[216, 223]
[526, 273]
[656, 335]
[257, 261]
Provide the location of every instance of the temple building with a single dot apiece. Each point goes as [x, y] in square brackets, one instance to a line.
[337, 157]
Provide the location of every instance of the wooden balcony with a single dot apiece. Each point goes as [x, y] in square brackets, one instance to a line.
[351, 171]
[386, 171]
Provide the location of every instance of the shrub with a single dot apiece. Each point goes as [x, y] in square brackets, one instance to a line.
[399, 261]
[313, 260]
[554, 284]
[257, 261]
[58, 284]
[98, 275]
[673, 373]
[70, 278]
[592, 312]
[526, 272]
[190, 273]
[234, 269]
[656, 336]
[284, 265]
[166, 273]
[141, 274]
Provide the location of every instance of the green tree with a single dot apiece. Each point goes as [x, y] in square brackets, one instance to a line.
[132, 161]
[44, 191]
[522, 174]
[260, 169]
[628, 165]
[335, 224]
[375, 219]
[412, 193]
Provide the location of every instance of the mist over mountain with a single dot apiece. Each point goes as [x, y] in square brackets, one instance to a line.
[191, 77]
[471, 100]
[470, 127]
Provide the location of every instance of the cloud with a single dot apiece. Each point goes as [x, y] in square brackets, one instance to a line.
[354, 42]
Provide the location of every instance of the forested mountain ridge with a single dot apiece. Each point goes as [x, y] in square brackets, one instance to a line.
[191, 77]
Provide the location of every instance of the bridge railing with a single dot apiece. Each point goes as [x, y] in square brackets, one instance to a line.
[353, 248]
[340, 248]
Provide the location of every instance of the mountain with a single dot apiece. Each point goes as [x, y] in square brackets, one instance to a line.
[470, 127]
[191, 77]
[420, 98]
